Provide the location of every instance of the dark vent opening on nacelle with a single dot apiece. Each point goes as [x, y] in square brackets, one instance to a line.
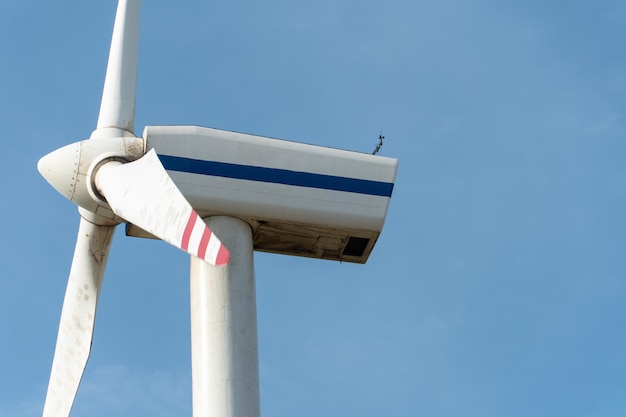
[356, 246]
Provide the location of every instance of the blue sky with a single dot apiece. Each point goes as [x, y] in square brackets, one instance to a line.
[497, 286]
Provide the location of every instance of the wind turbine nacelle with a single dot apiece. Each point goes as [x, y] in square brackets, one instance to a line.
[299, 199]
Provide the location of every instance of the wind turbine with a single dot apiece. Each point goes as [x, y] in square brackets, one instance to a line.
[255, 193]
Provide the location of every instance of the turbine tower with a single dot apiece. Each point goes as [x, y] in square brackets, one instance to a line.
[187, 185]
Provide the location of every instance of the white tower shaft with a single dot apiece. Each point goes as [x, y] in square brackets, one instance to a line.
[224, 340]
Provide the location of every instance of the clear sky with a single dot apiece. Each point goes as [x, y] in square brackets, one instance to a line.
[497, 287]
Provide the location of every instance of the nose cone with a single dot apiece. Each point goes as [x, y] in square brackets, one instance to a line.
[60, 169]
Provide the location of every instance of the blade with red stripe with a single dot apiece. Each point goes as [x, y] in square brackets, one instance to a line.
[142, 193]
[208, 246]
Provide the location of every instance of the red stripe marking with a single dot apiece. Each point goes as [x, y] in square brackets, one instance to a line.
[188, 229]
[223, 256]
[204, 242]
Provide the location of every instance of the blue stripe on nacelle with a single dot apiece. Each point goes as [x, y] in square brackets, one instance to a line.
[276, 176]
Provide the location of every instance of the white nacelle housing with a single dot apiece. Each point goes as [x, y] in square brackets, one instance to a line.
[299, 199]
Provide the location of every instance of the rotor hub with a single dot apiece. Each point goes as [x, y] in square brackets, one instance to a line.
[72, 169]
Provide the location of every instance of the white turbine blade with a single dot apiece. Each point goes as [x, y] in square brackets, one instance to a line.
[117, 109]
[77, 317]
[142, 193]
